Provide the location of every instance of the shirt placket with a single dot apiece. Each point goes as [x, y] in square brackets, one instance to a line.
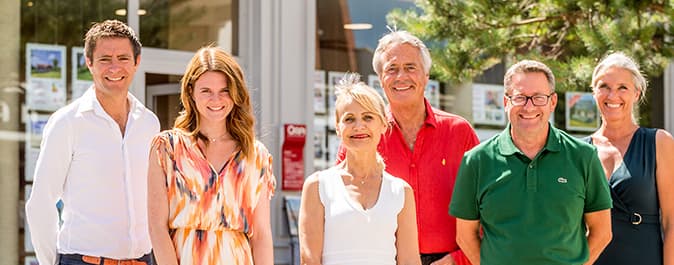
[532, 176]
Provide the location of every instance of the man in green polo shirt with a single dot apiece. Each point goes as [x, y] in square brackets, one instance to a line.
[539, 195]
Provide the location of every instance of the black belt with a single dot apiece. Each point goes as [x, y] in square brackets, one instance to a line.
[428, 258]
[637, 218]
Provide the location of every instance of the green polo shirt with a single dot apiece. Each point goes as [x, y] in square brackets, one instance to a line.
[531, 211]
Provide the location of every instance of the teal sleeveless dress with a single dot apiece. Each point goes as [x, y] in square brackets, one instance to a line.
[637, 235]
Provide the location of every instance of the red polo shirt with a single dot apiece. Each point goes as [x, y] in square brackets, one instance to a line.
[431, 171]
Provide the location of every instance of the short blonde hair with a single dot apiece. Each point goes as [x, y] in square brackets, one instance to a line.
[350, 88]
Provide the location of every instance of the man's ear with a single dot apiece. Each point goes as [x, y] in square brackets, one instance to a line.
[553, 101]
[137, 60]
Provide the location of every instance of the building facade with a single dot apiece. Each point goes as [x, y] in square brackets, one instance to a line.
[291, 52]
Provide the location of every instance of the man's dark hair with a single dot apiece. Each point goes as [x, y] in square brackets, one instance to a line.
[110, 29]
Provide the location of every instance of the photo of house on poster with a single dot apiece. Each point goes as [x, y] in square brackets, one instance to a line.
[45, 76]
[581, 112]
[81, 76]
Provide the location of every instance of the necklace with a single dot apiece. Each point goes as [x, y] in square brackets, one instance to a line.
[366, 176]
[215, 139]
[362, 180]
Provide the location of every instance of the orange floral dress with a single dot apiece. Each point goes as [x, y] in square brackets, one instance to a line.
[210, 212]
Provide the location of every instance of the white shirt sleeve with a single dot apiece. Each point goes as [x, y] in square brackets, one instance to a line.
[51, 170]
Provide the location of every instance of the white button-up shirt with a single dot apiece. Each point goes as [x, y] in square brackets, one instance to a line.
[101, 176]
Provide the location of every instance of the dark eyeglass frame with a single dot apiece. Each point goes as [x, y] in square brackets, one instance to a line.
[527, 98]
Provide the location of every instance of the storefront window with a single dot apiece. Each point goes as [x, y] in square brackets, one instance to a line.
[43, 70]
[188, 25]
[347, 33]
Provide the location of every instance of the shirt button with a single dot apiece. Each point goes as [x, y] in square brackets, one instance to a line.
[531, 166]
[413, 165]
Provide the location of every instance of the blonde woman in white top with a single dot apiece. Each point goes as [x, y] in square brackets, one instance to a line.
[355, 212]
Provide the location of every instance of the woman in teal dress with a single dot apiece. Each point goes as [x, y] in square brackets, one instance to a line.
[639, 164]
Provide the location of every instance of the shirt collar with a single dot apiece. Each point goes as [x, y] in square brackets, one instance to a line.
[506, 146]
[430, 117]
[89, 102]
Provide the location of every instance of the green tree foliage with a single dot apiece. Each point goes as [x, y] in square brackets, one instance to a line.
[468, 37]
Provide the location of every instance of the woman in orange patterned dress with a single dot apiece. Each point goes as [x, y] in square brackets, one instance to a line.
[209, 180]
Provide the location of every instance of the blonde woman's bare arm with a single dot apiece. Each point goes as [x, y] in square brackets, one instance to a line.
[407, 241]
[311, 223]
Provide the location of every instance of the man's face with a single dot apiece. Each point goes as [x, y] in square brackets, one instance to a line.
[402, 75]
[112, 65]
[530, 119]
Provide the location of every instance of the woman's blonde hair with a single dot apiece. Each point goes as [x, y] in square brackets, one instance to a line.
[351, 89]
[621, 60]
[240, 122]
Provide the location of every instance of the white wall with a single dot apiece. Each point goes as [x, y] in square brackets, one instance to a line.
[277, 51]
[669, 97]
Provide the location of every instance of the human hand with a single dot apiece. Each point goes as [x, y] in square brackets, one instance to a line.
[446, 260]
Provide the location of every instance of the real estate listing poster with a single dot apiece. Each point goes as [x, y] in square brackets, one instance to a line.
[45, 76]
[581, 112]
[319, 92]
[27, 243]
[333, 80]
[373, 82]
[333, 147]
[488, 104]
[432, 93]
[34, 127]
[320, 143]
[81, 76]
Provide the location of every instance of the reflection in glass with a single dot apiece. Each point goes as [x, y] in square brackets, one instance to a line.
[189, 25]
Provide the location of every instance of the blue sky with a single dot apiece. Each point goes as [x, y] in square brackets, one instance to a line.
[373, 12]
[44, 57]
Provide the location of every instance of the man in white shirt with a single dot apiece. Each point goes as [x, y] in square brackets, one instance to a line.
[94, 157]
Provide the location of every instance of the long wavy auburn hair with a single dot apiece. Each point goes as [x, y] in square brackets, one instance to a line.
[240, 123]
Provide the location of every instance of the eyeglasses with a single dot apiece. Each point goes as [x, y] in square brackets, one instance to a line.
[537, 100]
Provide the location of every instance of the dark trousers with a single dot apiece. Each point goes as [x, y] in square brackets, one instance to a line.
[427, 259]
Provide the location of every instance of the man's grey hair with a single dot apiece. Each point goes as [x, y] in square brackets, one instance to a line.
[528, 66]
[396, 37]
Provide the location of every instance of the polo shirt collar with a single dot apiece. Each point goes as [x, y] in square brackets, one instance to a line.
[506, 146]
[430, 117]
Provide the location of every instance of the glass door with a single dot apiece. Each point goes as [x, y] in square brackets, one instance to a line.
[157, 82]
[163, 97]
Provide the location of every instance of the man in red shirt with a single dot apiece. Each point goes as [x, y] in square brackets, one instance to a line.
[424, 146]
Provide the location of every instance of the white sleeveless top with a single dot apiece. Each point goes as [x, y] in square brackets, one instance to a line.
[355, 236]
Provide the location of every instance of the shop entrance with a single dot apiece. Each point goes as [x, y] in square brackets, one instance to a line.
[157, 82]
